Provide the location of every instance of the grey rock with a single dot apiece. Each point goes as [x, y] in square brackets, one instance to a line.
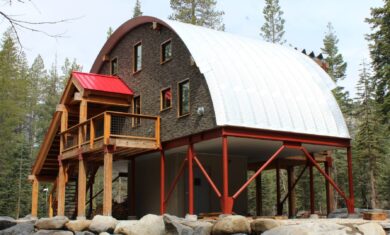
[84, 233]
[149, 224]
[258, 226]
[371, 229]
[19, 229]
[78, 225]
[288, 230]
[231, 224]
[4, 224]
[101, 224]
[56, 222]
[53, 232]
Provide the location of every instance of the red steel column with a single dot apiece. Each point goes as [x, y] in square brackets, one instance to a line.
[351, 200]
[162, 182]
[278, 193]
[226, 201]
[190, 157]
[312, 209]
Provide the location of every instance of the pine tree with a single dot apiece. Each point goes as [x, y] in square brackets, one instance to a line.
[137, 9]
[273, 27]
[379, 48]
[109, 32]
[368, 140]
[197, 12]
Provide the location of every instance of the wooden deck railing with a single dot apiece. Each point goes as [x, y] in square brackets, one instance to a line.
[111, 125]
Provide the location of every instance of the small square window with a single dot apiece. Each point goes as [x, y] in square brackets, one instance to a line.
[137, 61]
[166, 51]
[114, 66]
[166, 98]
[184, 98]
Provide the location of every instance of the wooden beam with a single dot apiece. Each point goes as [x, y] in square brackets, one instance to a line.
[50, 207]
[311, 175]
[291, 198]
[34, 198]
[107, 193]
[82, 189]
[108, 101]
[61, 190]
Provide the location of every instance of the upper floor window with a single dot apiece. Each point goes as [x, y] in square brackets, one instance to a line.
[114, 66]
[137, 110]
[166, 51]
[137, 61]
[166, 98]
[184, 98]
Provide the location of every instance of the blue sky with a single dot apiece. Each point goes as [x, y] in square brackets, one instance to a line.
[83, 38]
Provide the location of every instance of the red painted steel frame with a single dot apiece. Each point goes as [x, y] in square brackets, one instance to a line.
[190, 157]
[162, 182]
[226, 202]
[211, 182]
[258, 171]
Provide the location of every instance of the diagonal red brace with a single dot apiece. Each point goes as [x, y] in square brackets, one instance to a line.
[207, 177]
[258, 171]
[173, 185]
[328, 178]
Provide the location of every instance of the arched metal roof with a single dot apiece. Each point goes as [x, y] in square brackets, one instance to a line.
[256, 84]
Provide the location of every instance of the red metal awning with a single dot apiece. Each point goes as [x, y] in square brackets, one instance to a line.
[99, 82]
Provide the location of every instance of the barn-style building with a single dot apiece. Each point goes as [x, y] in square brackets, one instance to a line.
[187, 111]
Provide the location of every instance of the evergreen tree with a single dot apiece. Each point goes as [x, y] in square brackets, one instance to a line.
[368, 139]
[109, 32]
[379, 48]
[273, 27]
[137, 9]
[197, 12]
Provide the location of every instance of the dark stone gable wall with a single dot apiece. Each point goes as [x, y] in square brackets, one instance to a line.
[154, 77]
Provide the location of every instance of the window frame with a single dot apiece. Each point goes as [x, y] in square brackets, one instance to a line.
[161, 99]
[136, 122]
[162, 61]
[179, 102]
[134, 65]
[117, 66]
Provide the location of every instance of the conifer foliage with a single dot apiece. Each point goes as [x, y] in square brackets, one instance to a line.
[137, 9]
[273, 27]
[198, 12]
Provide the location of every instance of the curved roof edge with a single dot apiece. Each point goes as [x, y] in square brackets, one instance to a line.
[279, 88]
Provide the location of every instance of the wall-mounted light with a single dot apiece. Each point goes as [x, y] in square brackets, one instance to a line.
[200, 111]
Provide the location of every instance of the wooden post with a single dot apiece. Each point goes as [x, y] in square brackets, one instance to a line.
[329, 190]
[82, 118]
[312, 205]
[107, 188]
[90, 209]
[291, 190]
[279, 206]
[259, 196]
[82, 188]
[34, 198]
[50, 209]
[61, 189]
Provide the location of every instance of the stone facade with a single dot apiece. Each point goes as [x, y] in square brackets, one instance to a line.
[155, 76]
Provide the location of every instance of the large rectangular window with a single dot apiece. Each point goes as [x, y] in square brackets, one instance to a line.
[137, 61]
[166, 98]
[184, 98]
[137, 110]
[166, 51]
[114, 66]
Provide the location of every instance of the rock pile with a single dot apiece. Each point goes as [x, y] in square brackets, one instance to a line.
[191, 225]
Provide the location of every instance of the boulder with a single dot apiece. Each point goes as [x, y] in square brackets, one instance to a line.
[53, 232]
[188, 225]
[84, 233]
[231, 224]
[78, 225]
[56, 222]
[102, 223]
[288, 230]
[19, 229]
[149, 224]
[199, 227]
[104, 233]
[6, 222]
[371, 229]
[258, 226]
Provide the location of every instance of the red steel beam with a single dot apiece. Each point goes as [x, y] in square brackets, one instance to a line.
[190, 157]
[327, 177]
[162, 182]
[208, 178]
[173, 185]
[285, 136]
[258, 171]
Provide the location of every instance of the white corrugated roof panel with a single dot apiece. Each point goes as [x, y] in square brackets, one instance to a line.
[256, 84]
